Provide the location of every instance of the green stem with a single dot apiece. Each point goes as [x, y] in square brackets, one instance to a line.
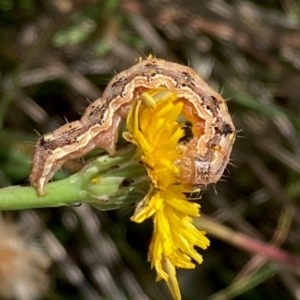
[106, 183]
[59, 193]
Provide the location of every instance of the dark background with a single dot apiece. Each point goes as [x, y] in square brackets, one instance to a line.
[57, 55]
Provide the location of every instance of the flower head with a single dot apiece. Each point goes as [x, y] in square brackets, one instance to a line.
[153, 126]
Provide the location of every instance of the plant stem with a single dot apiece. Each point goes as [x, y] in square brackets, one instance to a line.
[59, 193]
[105, 183]
[245, 242]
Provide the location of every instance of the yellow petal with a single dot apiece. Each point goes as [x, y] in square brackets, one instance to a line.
[172, 280]
[154, 128]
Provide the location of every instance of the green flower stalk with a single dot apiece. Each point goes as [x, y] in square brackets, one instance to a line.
[105, 183]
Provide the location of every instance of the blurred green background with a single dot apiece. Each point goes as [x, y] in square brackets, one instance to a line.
[57, 55]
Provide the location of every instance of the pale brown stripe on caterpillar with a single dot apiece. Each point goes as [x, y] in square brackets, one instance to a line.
[205, 156]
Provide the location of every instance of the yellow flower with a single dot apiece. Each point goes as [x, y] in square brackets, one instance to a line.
[154, 128]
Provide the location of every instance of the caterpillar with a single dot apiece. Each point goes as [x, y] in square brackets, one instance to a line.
[205, 156]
